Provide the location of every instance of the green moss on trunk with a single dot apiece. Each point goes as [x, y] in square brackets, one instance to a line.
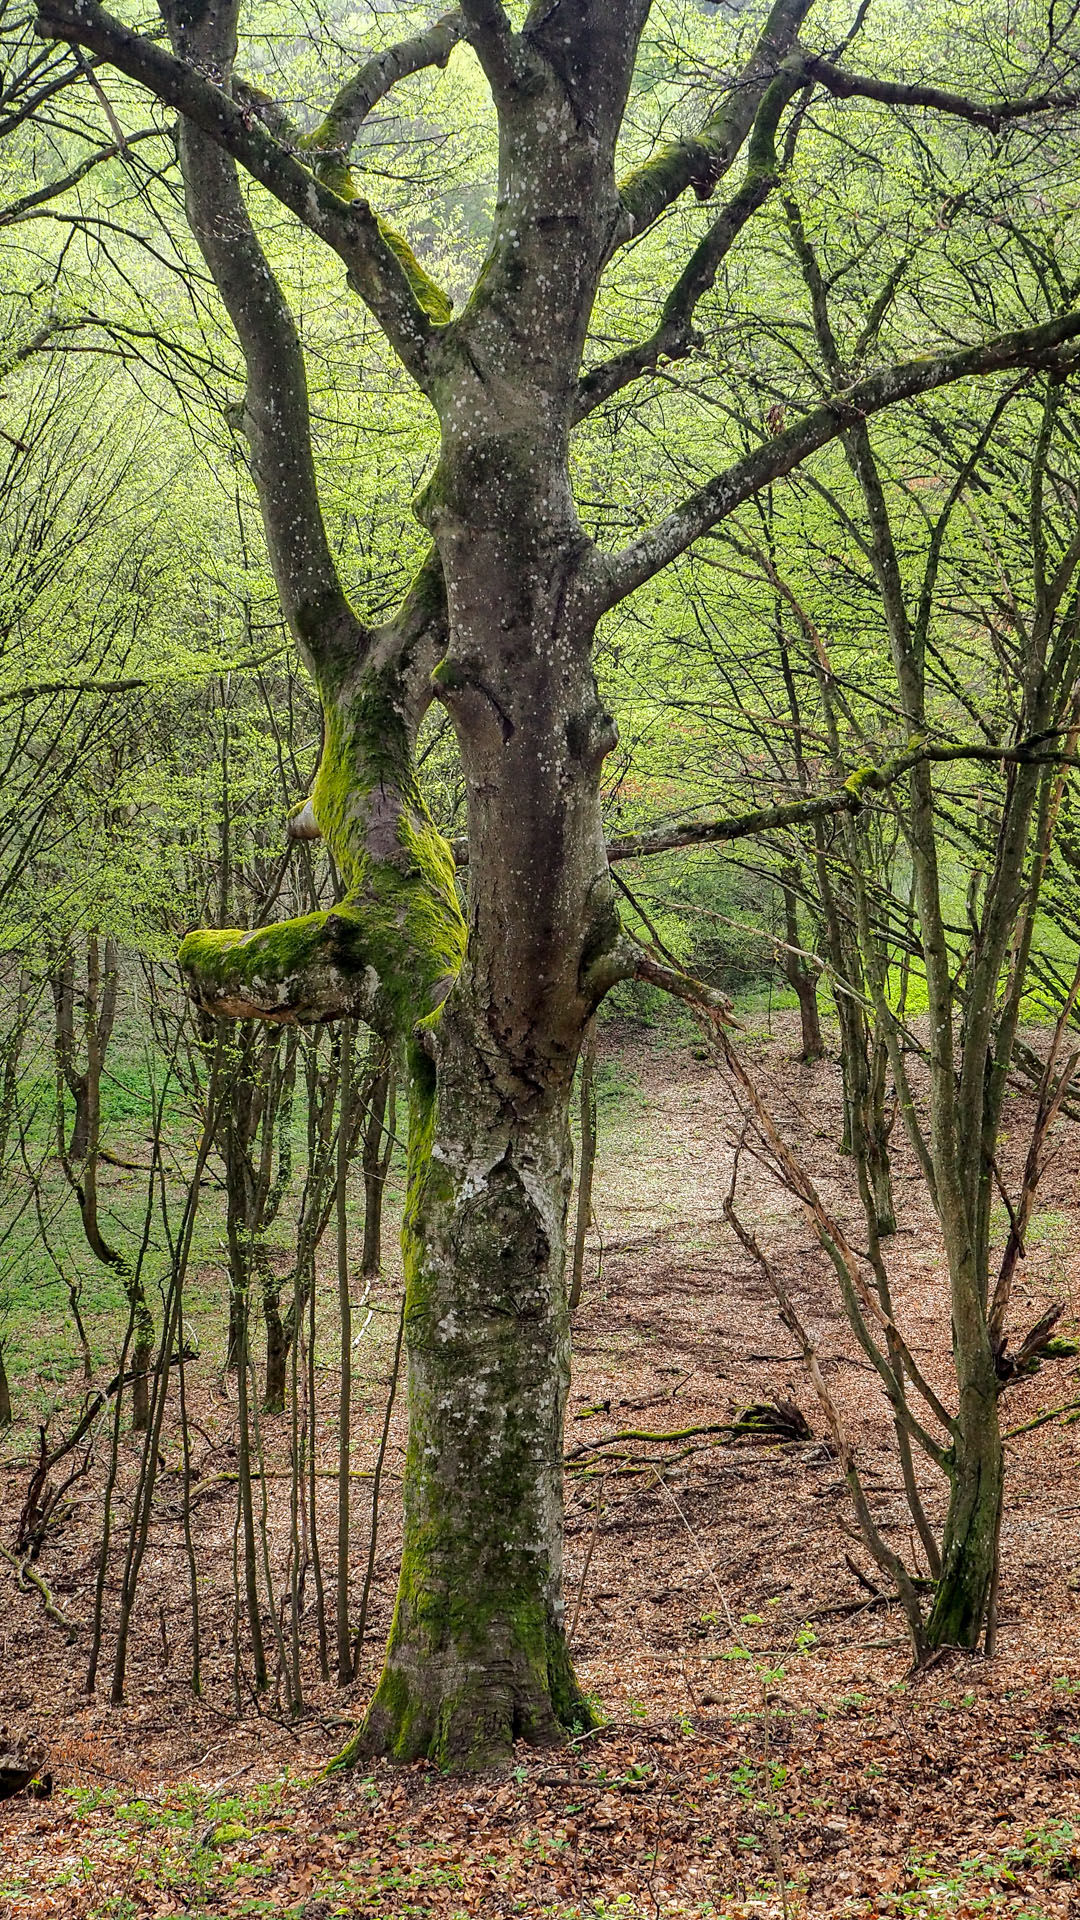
[969, 1553]
[477, 1656]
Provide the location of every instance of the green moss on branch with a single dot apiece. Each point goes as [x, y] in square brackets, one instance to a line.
[392, 951]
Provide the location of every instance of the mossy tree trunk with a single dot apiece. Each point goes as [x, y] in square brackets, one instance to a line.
[493, 1012]
[477, 1655]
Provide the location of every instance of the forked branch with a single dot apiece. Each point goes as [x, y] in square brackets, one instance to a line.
[701, 160]
[992, 114]
[674, 338]
[1049, 345]
[351, 228]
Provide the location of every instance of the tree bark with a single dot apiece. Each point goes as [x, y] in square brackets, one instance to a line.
[586, 1165]
[802, 980]
[973, 1522]
[477, 1656]
[278, 1344]
[375, 1161]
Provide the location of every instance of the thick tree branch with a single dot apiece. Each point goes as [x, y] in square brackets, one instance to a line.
[294, 973]
[1045, 346]
[847, 799]
[981, 113]
[701, 160]
[387, 278]
[376, 78]
[275, 416]
[671, 835]
[500, 51]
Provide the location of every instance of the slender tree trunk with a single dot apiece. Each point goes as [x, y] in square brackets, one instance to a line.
[278, 1343]
[10, 1056]
[344, 1638]
[973, 1520]
[74, 1288]
[586, 1165]
[142, 1360]
[5, 1394]
[247, 1508]
[375, 1162]
[81, 1156]
[802, 980]
[877, 1139]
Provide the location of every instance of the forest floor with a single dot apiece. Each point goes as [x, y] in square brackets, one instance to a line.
[765, 1750]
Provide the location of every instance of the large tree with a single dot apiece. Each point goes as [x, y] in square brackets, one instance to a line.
[499, 626]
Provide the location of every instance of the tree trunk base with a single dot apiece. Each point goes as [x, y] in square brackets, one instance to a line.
[465, 1713]
[970, 1549]
[958, 1616]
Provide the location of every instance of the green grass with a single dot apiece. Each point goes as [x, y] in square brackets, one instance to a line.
[37, 1330]
[1046, 1228]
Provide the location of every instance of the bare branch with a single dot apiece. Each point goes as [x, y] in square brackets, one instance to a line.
[847, 799]
[887, 1560]
[1043, 346]
[18, 209]
[862, 1305]
[383, 272]
[989, 113]
[646, 966]
[378, 76]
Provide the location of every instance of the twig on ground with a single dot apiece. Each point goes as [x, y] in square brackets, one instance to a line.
[1041, 1419]
[28, 1576]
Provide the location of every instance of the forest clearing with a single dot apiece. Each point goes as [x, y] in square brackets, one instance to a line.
[760, 1719]
[539, 958]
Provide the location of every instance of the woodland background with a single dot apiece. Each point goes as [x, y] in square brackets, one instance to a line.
[229, 1545]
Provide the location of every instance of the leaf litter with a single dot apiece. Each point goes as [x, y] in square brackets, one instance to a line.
[764, 1749]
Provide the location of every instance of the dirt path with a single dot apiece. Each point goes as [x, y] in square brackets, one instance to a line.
[763, 1745]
